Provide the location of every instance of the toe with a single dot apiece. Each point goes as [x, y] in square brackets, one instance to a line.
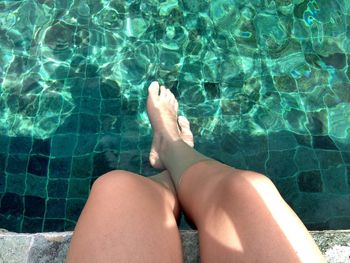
[153, 89]
[184, 123]
[169, 95]
[186, 133]
[163, 92]
[176, 105]
[154, 160]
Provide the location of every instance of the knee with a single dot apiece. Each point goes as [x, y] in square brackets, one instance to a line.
[114, 182]
[244, 182]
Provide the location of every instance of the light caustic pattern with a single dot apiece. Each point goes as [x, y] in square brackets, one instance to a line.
[264, 83]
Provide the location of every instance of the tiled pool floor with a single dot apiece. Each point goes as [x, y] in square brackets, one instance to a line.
[265, 85]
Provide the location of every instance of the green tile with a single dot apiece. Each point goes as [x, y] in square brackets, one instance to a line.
[63, 145]
[15, 183]
[328, 158]
[88, 123]
[57, 188]
[281, 164]
[17, 163]
[335, 180]
[56, 208]
[310, 181]
[60, 167]
[305, 153]
[36, 185]
[79, 188]
[86, 144]
[4, 143]
[32, 225]
[82, 166]
[74, 208]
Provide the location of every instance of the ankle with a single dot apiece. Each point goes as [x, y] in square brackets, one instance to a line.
[166, 143]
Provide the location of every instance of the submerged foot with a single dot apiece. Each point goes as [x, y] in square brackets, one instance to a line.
[162, 111]
[186, 135]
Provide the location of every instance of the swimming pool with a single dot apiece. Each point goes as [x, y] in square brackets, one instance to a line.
[264, 83]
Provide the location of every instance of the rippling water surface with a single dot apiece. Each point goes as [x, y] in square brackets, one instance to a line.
[265, 85]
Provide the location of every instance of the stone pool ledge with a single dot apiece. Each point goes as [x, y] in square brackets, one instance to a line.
[52, 247]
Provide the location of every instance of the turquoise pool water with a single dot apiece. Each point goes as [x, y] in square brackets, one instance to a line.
[265, 85]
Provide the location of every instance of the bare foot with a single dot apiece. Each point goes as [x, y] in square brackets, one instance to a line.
[186, 135]
[162, 112]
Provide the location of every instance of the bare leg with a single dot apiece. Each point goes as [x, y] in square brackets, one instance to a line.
[128, 218]
[239, 214]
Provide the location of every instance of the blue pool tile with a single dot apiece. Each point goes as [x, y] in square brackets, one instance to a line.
[4, 143]
[82, 166]
[129, 107]
[257, 162]
[73, 208]
[348, 175]
[70, 125]
[328, 158]
[130, 159]
[91, 88]
[41, 147]
[338, 223]
[34, 206]
[317, 122]
[56, 208]
[60, 167]
[87, 143]
[36, 185]
[303, 140]
[346, 157]
[111, 107]
[11, 222]
[38, 165]
[76, 86]
[286, 165]
[3, 160]
[89, 123]
[129, 125]
[109, 89]
[104, 162]
[11, 204]
[89, 105]
[15, 183]
[110, 123]
[335, 179]
[310, 181]
[323, 142]
[2, 181]
[212, 90]
[282, 140]
[32, 225]
[63, 145]
[79, 188]
[54, 225]
[92, 71]
[57, 188]
[128, 143]
[109, 141]
[69, 225]
[21, 145]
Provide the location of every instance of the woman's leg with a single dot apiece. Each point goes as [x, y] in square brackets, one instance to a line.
[239, 214]
[128, 218]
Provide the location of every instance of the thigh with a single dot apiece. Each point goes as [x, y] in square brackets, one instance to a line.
[127, 218]
[241, 217]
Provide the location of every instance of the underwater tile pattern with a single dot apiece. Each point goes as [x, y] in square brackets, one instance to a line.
[264, 83]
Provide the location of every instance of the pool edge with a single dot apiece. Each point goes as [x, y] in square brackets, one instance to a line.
[53, 246]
